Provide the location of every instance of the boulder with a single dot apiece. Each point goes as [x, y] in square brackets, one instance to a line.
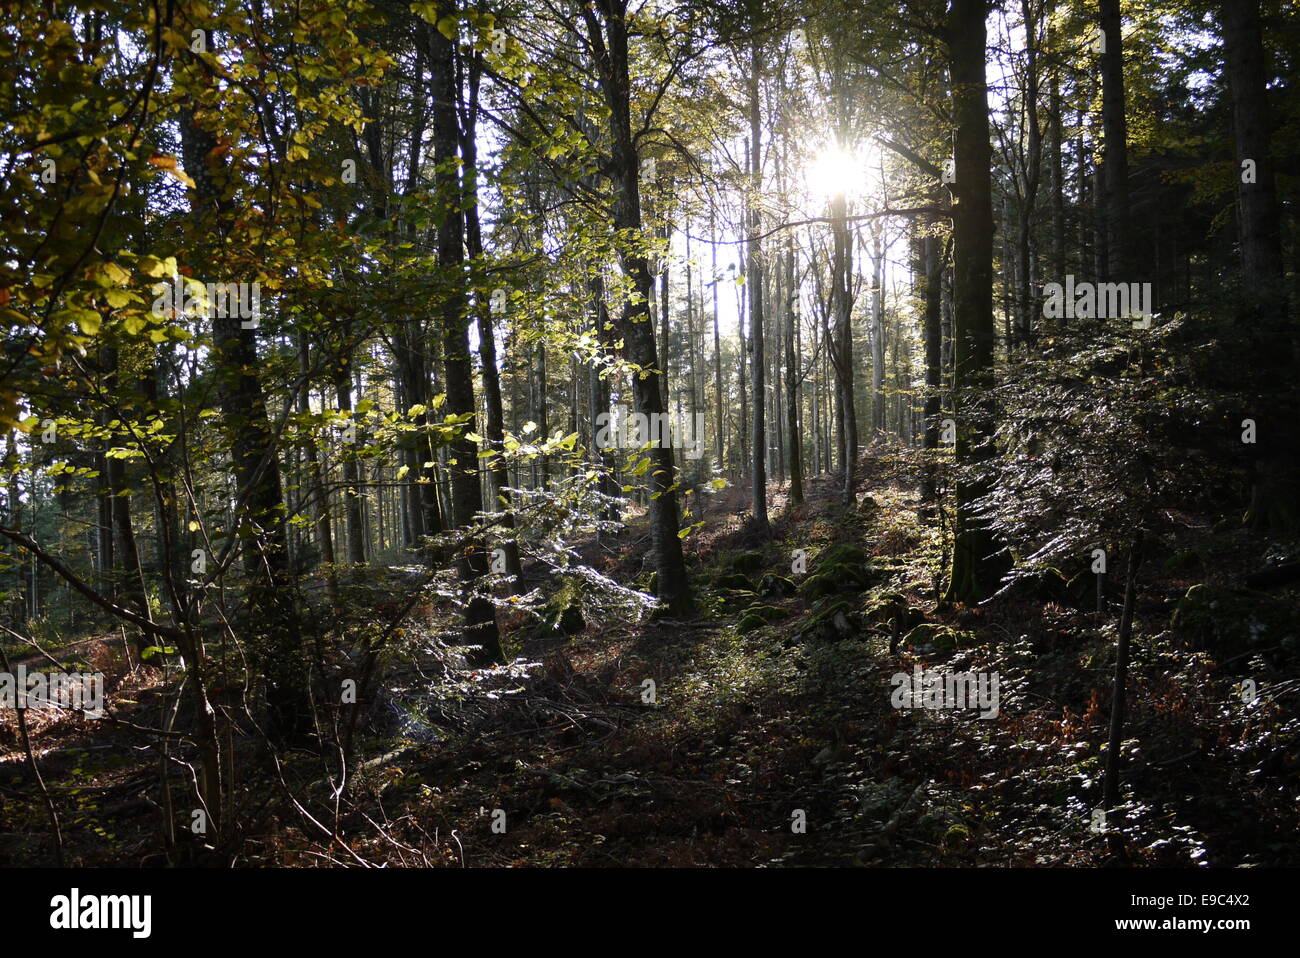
[774, 586]
[750, 561]
[836, 621]
[841, 568]
[735, 580]
[940, 638]
[1228, 621]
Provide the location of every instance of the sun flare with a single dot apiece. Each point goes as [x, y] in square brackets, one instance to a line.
[837, 171]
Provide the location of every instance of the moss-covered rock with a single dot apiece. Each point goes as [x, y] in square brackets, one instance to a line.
[892, 611]
[736, 599]
[750, 561]
[842, 554]
[836, 621]
[940, 638]
[774, 586]
[735, 580]
[768, 613]
[1081, 590]
[819, 587]
[1227, 620]
[749, 623]
[1189, 560]
[841, 568]
[1051, 585]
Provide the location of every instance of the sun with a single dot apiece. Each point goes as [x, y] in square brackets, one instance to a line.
[835, 170]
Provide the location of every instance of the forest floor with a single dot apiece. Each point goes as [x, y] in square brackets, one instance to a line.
[774, 742]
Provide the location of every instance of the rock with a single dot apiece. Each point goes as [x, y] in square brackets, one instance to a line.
[1081, 590]
[768, 613]
[1227, 621]
[774, 586]
[735, 580]
[1051, 585]
[893, 611]
[1189, 560]
[840, 568]
[939, 637]
[562, 615]
[835, 622]
[750, 561]
[738, 599]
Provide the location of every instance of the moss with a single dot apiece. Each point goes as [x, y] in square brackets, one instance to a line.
[768, 613]
[750, 561]
[735, 580]
[1189, 560]
[749, 623]
[819, 587]
[737, 599]
[774, 586]
[562, 615]
[893, 610]
[841, 568]
[836, 621]
[1082, 588]
[1227, 621]
[939, 637]
[842, 554]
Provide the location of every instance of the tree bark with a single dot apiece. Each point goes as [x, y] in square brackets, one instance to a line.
[462, 461]
[974, 571]
[754, 272]
[610, 48]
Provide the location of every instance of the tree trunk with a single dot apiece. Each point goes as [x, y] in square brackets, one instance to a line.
[1115, 130]
[754, 272]
[610, 48]
[1110, 797]
[498, 477]
[480, 616]
[974, 572]
[1275, 489]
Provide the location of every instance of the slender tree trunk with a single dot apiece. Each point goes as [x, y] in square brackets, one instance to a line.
[1115, 130]
[754, 271]
[610, 47]
[933, 266]
[480, 616]
[353, 502]
[1275, 465]
[498, 477]
[1110, 797]
[792, 379]
[974, 572]
[717, 342]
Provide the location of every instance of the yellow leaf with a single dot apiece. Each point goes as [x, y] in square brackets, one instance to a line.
[152, 267]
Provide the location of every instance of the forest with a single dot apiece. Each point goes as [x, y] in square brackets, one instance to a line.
[667, 433]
